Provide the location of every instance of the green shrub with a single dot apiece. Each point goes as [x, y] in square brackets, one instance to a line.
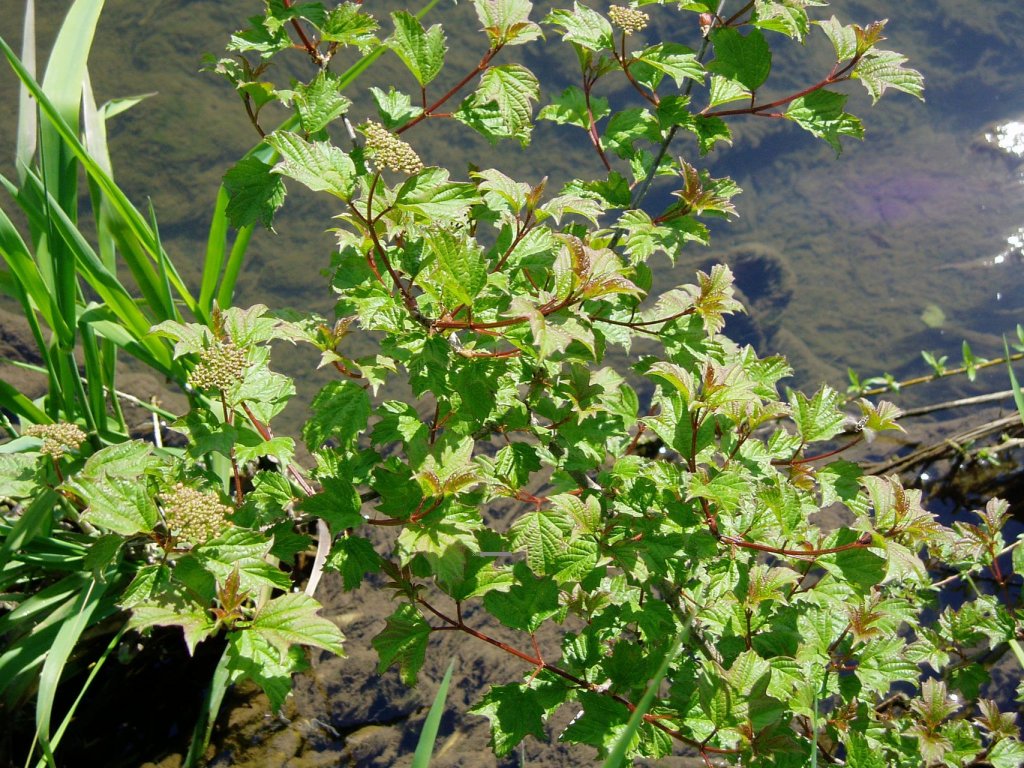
[665, 501]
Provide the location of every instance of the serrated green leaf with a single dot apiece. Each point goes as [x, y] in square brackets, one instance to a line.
[318, 165]
[348, 24]
[128, 460]
[819, 418]
[880, 70]
[117, 504]
[744, 58]
[17, 475]
[319, 102]
[1007, 753]
[421, 50]
[340, 412]
[843, 38]
[432, 196]
[394, 107]
[710, 131]
[570, 108]
[196, 623]
[542, 534]
[292, 619]
[725, 90]
[600, 723]
[628, 126]
[507, 93]
[675, 60]
[527, 604]
[514, 712]
[251, 655]
[821, 113]
[403, 641]
[788, 17]
[337, 503]
[725, 489]
[243, 551]
[507, 22]
[583, 26]
[860, 567]
[461, 262]
[254, 193]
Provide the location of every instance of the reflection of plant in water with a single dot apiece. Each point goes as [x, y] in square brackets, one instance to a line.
[495, 302]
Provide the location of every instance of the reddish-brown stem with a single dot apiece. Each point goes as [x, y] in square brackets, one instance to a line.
[732, 19]
[434, 425]
[252, 116]
[540, 664]
[761, 110]
[595, 139]
[493, 355]
[485, 62]
[229, 419]
[266, 434]
[818, 457]
[547, 309]
[307, 44]
[415, 517]
[370, 224]
[861, 543]
[641, 323]
[345, 371]
[620, 56]
[522, 229]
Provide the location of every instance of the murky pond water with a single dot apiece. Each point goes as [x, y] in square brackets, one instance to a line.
[910, 240]
[892, 246]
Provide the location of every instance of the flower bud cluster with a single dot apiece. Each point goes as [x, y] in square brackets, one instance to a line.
[220, 365]
[390, 151]
[629, 20]
[194, 516]
[58, 438]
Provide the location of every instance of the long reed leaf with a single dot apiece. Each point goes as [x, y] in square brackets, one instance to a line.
[1018, 395]
[105, 283]
[94, 670]
[617, 754]
[27, 124]
[208, 713]
[131, 220]
[62, 84]
[26, 271]
[425, 745]
[53, 668]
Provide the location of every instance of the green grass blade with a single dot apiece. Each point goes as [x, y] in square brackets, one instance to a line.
[15, 402]
[93, 672]
[170, 312]
[131, 221]
[105, 283]
[96, 382]
[1018, 395]
[425, 745]
[62, 84]
[27, 123]
[25, 270]
[34, 520]
[208, 714]
[216, 249]
[59, 653]
[617, 754]
[226, 293]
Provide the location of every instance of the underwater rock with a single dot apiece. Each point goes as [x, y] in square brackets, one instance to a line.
[764, 283]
